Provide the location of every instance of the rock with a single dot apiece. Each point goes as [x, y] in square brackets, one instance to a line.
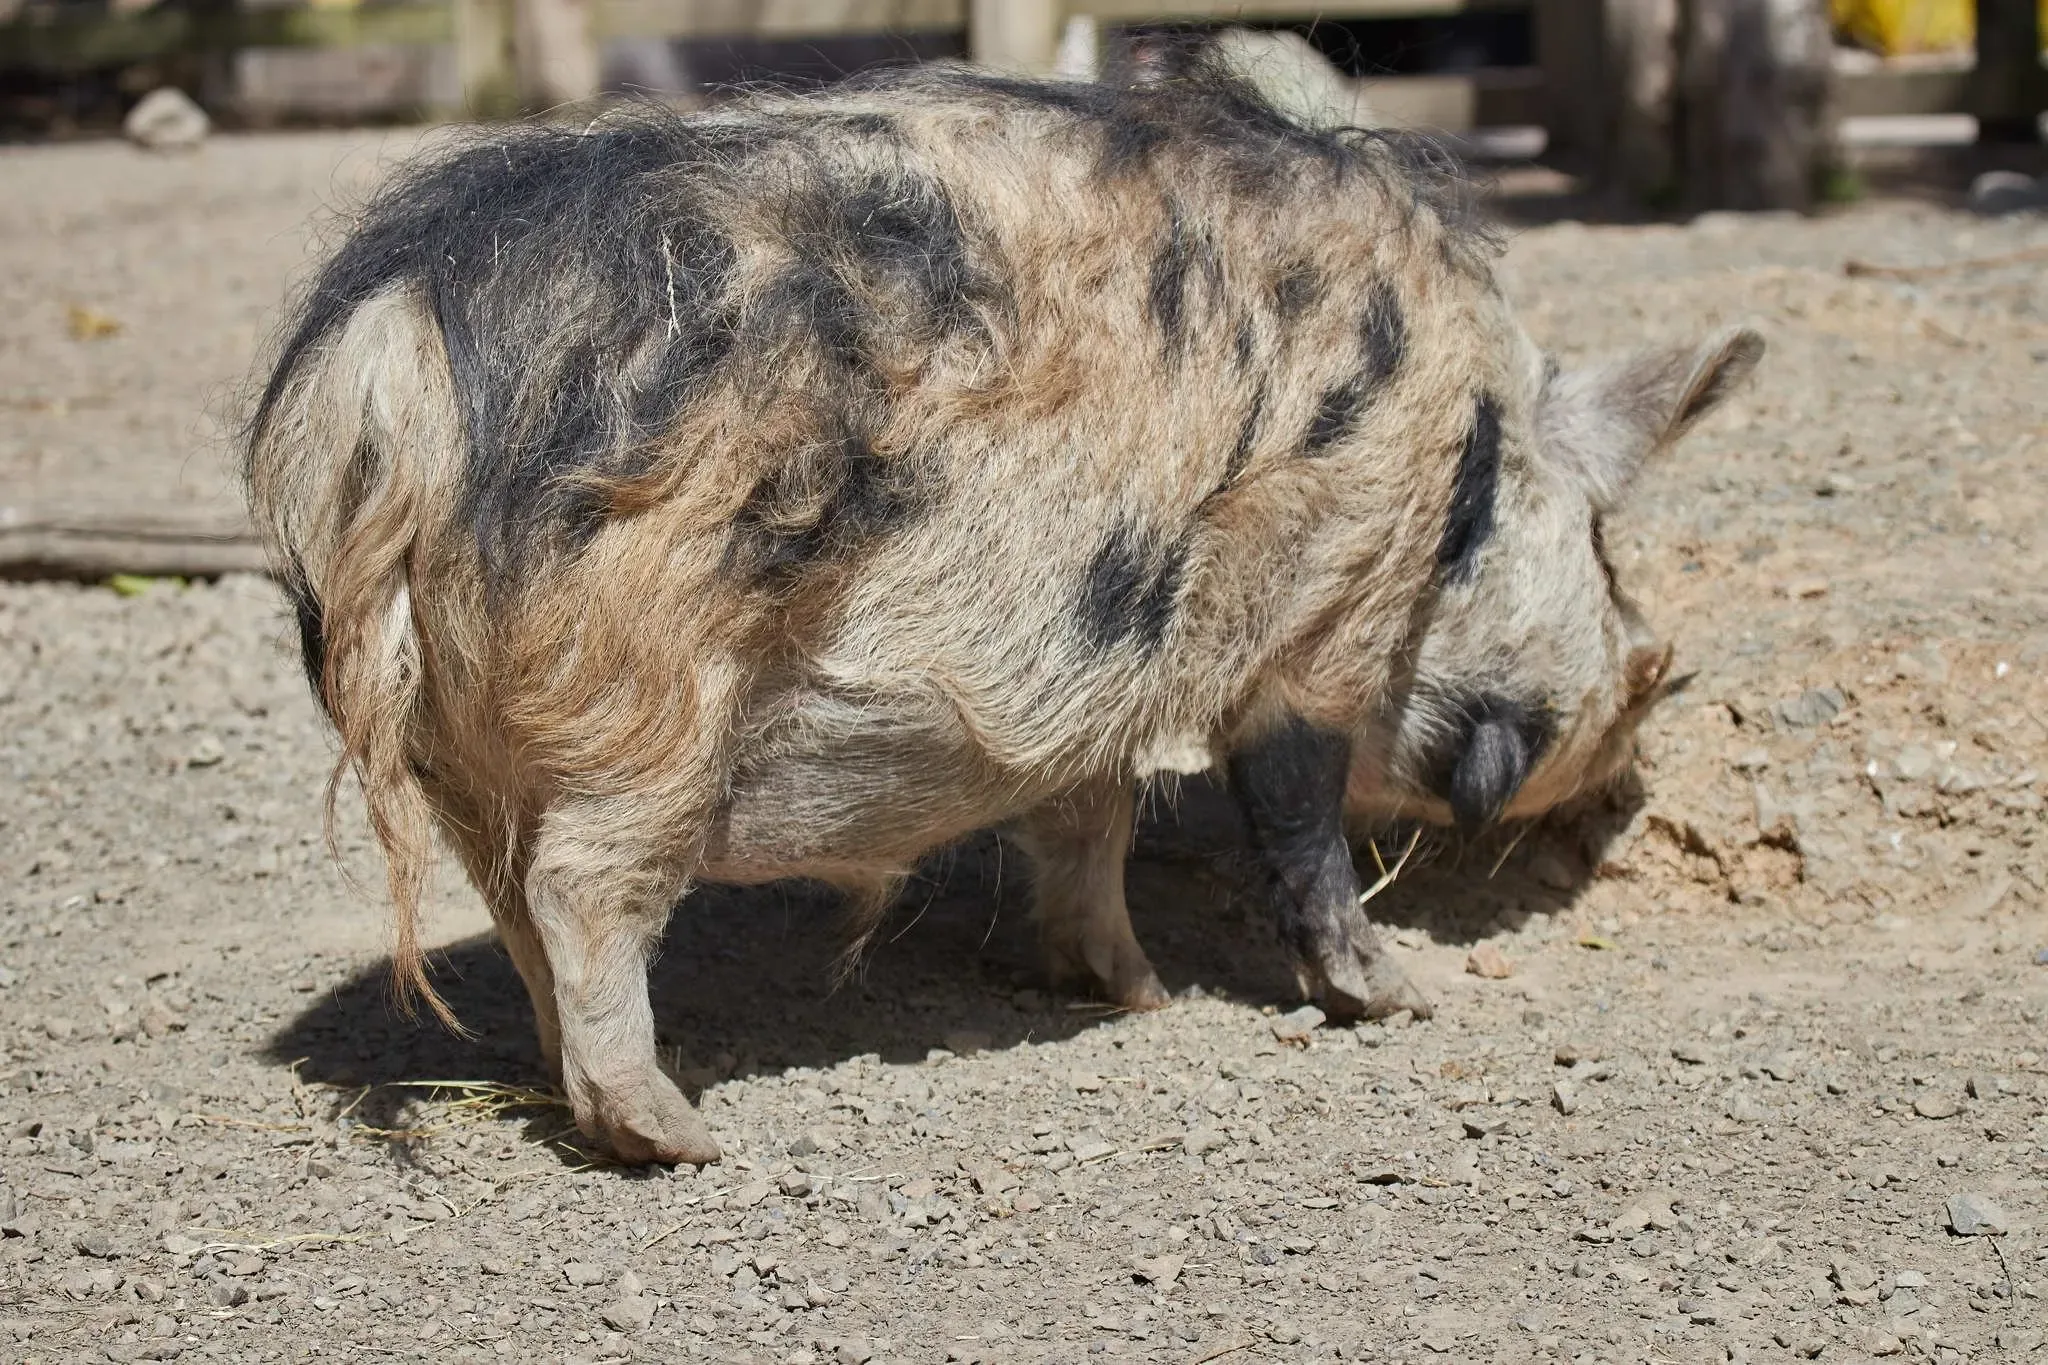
[793, 1299]
[222, 1294]
[96, 1244]
[1692, 1054]
[178, 1244]
[1997, 192]
[1976, 1215]
[1296, 1025]
[854, 1351]
[1814, 706]
[1027, 1202]
[748, 1195]
[207, 752]
[796, 1184]
[1158, 1271]
[966, 1042]
[817, 1295]
[1937, 1106]
[1564, 1097]
[1284, 1334]
[1571, 1054]
[166, 120]
[1981, 1087]
[631, 1314]
[1783, 1066]
[1852, 1274]
[1879, 1342]
[583, 1274]
[1489, 962]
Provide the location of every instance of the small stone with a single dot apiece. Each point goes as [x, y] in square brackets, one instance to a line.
[166, 120]
[96, 1244]
[222, 1294]
[583, 1274]
[1852, 1274]
[793, 1299]
[1879, 1342]
[1296, 1025]
[816, 1295]
[630, 1314]
[1937, 1106]
[631, 1286]
[246, 1265]
[1976, 1215]
[1571, 1054]
[1087, 1082]
[1283, 1334]
[1564, 1097]
[748, 1195]
[491, 1265]
[1158, 1271]
[796, 1184]
[1027, 1202]
[1692, 1054]
[1982, 1087]
[1814, 706]
[1782, 1066]
[1909, 1279]
[178, 1244]
[854, 1351]
[206, 753]
[1489, 962]
[1200, 1141]
[148, 1290]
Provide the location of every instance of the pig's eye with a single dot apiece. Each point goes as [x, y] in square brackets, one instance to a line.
[1600, 552]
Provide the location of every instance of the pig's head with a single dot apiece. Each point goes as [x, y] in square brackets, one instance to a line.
[1531, 668]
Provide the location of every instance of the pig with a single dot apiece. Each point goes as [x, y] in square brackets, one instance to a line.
[791, 489]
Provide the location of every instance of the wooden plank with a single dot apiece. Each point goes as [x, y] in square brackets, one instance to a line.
[774, 18]
[86, 545]
[45, 43]
[1866, 94]
[1458, 104]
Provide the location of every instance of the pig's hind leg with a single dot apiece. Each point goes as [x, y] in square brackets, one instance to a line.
[1077, 844]
[1289, 786]
[601, 881]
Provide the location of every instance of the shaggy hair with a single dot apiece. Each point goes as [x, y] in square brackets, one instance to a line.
[791, 489]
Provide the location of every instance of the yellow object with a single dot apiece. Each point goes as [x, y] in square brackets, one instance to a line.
[1896, 26]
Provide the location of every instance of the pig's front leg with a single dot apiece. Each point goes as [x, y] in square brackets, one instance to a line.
[1289, 786]
[1077, 844]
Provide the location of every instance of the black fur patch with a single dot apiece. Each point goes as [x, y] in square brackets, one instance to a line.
[1383, 330]
[1383, 344]
[1297, 289]
[1130, 590]
[1493, 746]
[825, 505]
[1243, 344]
[1247, 438]
[1336, 416]
[1166, 298]
[312, 633]
[1470, 522]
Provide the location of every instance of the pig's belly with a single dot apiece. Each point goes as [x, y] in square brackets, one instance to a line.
[865, 807]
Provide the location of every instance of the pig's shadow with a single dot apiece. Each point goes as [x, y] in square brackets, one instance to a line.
[745, 981]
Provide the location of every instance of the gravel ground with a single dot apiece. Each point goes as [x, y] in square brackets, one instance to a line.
[1763, 1080]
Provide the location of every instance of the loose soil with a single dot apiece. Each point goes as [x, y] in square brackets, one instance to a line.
[1768, 1015]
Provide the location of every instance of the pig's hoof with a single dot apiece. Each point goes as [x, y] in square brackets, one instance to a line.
[647, 1119]
[1365, 989]
[1120, 975]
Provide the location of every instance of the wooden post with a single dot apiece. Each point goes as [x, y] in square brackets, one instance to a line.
[2008, 88]
[483, 58]
[1756, 87]
[554, 47]
[1015, 35]
[1569, 53]
[1638, 80]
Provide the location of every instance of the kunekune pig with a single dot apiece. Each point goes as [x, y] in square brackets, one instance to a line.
[789, 490]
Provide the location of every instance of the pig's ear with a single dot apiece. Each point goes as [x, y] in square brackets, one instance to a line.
[1604, 421]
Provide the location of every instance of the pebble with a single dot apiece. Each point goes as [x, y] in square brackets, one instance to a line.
[1976, 1215]
[1851, 1274]
[854, 1351]
[796, 1184]
[1981, 1087]
[1489, 962]
[583, 1274]
[1027, 1202]
[1692, 1054]
[221, 1294]
[1937, 1106]
[1564, 1097]
[1296, 1025]
[632, 1314]
[96, 1244]
[166, 120]
[1814, 706]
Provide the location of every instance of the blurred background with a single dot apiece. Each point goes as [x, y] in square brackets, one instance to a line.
[1658, 104]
